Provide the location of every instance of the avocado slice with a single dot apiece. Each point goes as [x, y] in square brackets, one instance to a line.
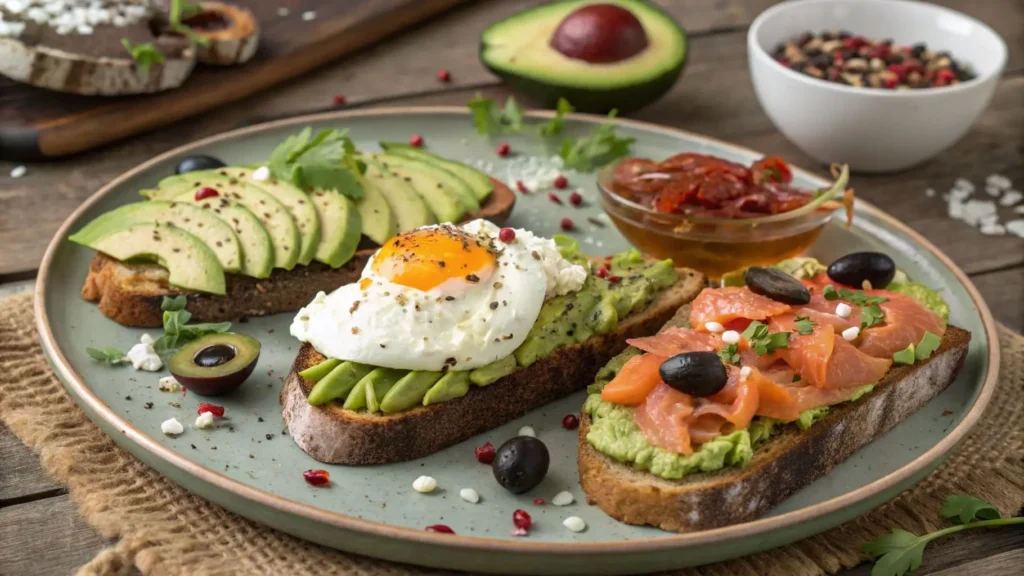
[338, 383]
[520, 50]
[342, 227]
[494, 371]
[295, 201]
[447, 195]
[379, 222]
[409, 209]
[451, 386]
[274, 217]
[479, 182]
[191, 264]
[318, 372]
[257, 248]
[408, 391]
[217, 235]
[377, 385]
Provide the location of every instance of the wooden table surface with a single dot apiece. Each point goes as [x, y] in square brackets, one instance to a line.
[40, 532]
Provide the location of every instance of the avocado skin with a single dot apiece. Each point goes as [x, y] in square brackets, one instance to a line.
[216, 380]
[590, 100]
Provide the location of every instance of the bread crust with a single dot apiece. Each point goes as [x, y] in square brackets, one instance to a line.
[337, 436]
[781, 466]
[131, 294]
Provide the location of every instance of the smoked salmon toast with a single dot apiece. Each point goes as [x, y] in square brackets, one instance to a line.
[752, 392]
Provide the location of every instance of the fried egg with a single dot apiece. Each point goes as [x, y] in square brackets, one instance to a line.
[440, 297]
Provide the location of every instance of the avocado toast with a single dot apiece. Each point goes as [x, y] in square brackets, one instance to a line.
[785, 411]
[254, 240]
[378, 409]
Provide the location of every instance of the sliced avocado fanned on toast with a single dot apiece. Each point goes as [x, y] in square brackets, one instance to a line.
[479, 182]
[342, 227]
[447, 195]
[378, 219]
[255, 243]
[408, 207]
[216, 234]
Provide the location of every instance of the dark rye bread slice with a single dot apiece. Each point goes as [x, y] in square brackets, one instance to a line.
[131, 294]
[781, 465]
[337, 436]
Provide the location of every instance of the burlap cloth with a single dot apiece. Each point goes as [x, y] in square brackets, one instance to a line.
[163, 529]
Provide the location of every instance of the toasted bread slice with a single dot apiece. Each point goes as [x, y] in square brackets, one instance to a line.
[131, 294]
[337, 436]
[781, 465]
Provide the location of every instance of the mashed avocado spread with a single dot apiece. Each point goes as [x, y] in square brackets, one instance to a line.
[614, 433]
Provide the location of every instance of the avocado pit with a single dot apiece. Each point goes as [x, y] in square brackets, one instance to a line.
[600, 34]
[215, 364]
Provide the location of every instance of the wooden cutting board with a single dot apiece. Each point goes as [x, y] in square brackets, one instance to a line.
[37, 124]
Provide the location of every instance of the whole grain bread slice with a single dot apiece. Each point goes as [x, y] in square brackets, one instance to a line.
[782, 465]
[337, 436]
[131, 293]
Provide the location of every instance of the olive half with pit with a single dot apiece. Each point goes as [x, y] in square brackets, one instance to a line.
[215, 364]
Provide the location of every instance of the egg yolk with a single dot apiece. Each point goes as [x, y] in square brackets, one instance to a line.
[425, 259]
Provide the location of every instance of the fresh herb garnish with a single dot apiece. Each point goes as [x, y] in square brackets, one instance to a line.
[762, 342]
[900, 552]
[796, 378]
[110, 355]
[928, 345]
[595, 150]
[871, 315]
[180, 10]
[730, 354]
[490, 121]
[177, 332]
[326, 160]
[555, 126]
[804, 325]
[145, 55]
[871, 312]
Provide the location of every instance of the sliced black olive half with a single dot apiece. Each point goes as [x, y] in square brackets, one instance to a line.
[777, 285]
[520, 463]
[215, 364]
[196, 163]
[853, 269]
[695, 373]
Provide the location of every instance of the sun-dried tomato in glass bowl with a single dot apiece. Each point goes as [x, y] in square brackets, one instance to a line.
[714, 215]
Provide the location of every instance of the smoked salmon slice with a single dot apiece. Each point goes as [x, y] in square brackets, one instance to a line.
[787, 403]
[724, 304]
[807, 354]
[663, 419]
[906, 320]
[638, 376]
[676, 341]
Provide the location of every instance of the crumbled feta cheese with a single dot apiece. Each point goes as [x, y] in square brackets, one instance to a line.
[169, 384]
[964, 184]
[283, 11]
[147, 339]
[309, 15]
[993, 229]
[143, 357]
[261, 174]
[563, 498]
[851, 333]
[975, 210]
[1015, 227]
[745, 373]
[424, 484]
[930, 192]
[731, 337]
[1019, 210]
[18, 171]
[469, 495]
[714, 327]
[843, 310]
[205, 420]
[998, 181]
[172, 427]
[1011, 197]
[527, 431]
[575, 523]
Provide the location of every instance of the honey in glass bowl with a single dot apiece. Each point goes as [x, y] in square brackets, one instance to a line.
[717, 245]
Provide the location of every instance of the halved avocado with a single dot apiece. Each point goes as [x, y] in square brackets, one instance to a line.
[620, 54]
[215, 364]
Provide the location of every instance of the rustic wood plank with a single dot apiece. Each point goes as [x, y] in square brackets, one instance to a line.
[22, 478]
[46, 537]
[1006, 564]
[1004, 293]
[967, 553]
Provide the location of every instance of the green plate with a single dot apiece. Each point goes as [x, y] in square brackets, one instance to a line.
[253, 469]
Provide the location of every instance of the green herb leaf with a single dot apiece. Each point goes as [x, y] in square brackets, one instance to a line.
[830, 293]
[145, 55]
[177, 331]
[173, 304]
[900, 552]
[762, 342]
[804, 325]
[968, 509]
[796, 378]
[905, 356]
[512, 115]
[486, 116]
[871, 315]
[326, 161]
[555, 126]
[180, 10]
[928, 345]
[595, 150]
[730, 354]
[110, 355]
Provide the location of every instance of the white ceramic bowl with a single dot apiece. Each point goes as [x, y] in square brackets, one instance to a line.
[873, 130]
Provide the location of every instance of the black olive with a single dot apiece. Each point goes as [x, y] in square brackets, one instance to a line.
[198, 162]
[214, 355]
[695, 373]
[777, 285]
[521, 463]
[853, 269]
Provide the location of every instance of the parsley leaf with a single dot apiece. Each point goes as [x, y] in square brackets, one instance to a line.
[830, 293]
[326, 161]
[762, 342]
[871, 315]
[968, 509]
[804, 325]
[797, 378]
[145, 55]
[181, 10]
[177, 331]
[512, 115]
[595, 150]
[486, 116]
[110, 355]
[730, 354]
[555, 126]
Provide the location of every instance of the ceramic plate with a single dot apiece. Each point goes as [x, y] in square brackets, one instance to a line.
[251, 467]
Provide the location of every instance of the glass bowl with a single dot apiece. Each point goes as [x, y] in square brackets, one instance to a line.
[716, 246]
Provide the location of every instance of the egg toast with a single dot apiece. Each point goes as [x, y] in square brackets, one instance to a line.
[789, 459]
[336, 435]
[130, 293]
